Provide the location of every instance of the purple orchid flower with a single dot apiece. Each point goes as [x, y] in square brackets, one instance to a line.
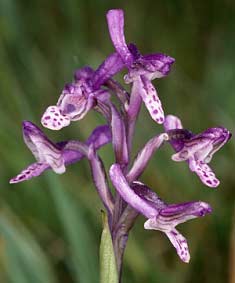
[55, 156]
[75, 101]
[198, 149]
[161, 216]
[142, 68]
[79, 97]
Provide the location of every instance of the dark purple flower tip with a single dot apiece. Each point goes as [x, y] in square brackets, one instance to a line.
[30, 128]
[83, 73]
[134, 51]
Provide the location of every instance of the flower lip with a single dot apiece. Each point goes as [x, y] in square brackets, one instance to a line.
[53, 118]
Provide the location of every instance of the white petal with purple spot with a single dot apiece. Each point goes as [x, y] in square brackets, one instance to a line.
[180, 244]
[206, 175]
[53, 119]
[151, 99]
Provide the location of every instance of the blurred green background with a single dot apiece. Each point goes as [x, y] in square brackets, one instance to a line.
[50, 226]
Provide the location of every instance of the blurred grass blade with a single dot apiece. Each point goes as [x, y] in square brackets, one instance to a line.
[84, 260]
[108, 268]
[24, 262]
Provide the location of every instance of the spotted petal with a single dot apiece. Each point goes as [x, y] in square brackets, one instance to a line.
[53, 119]
[150, 98]
[180, 244]
[196, 150]
[206, 175]
[31, 171]
[172, 215]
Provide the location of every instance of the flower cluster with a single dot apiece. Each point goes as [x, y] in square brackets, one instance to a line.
[93, 89]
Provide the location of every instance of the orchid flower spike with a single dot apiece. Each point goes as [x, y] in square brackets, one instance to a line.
[142, 68]
[55, 156]
[161, 216]
[198, 149]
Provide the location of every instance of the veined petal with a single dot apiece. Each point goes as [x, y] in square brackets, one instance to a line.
[151, 99]
[133, 199]
[180, 213]
[192, 147]
[174, 214]
[115, 19]
[42, 148]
